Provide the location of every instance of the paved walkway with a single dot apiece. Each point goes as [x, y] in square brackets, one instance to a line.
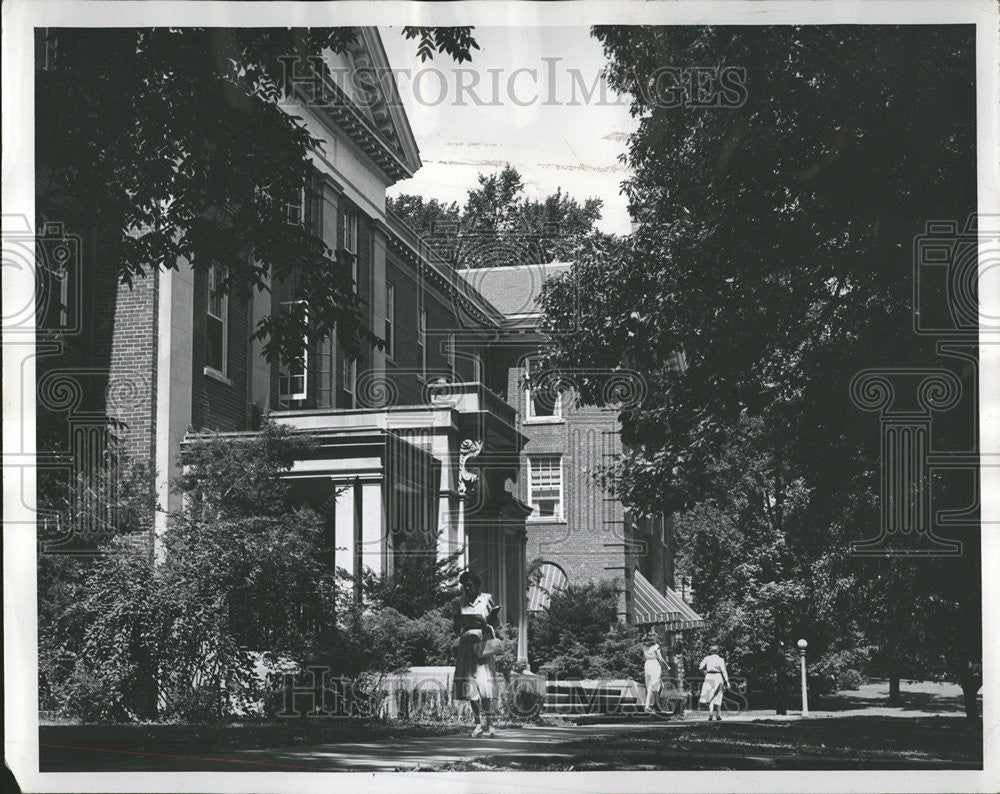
[553, 744]
[523, 745]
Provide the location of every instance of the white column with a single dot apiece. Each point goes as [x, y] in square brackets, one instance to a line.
[344, 529]
[372, 527]
[175, 344]
[522, 634]
[444, 540]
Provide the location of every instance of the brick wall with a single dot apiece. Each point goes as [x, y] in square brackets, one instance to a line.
[590, 544]
[130, 322]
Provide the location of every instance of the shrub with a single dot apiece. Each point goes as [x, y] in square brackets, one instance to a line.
[579, 635]
[838, 670]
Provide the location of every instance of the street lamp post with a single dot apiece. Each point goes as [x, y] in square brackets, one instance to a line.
[802, 663]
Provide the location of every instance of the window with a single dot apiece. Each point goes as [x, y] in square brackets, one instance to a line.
[350, 379]
[450, 353]
[349, 231]
[292, 375]
[295, 210]
[545, 487]
[349, 241]
[542, 402]
[217, 321]
[548, 578]
[422, 341]
[390, 320]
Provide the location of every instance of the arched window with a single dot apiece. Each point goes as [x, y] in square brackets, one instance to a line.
[548, 578]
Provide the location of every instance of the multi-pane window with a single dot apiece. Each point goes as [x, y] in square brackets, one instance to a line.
[545, 489]
[542, 400]
[350, 379]
[349, 241]
[216, 321]
[349, 231]
[295, 210]
[390, 320]
[292, 375]
[422, 341]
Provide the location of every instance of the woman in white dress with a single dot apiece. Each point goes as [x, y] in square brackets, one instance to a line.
[654, 664]
[716, 682]
[475, 617]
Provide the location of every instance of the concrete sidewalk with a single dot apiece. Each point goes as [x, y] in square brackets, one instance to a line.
[516, 746]
[931, 709]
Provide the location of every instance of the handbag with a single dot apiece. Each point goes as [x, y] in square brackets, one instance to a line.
[488, 648]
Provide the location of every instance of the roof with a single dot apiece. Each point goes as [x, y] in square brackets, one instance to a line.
[514, 290]
[668, 609]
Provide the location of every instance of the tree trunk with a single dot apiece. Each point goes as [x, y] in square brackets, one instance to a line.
[779, 666]
[971, 704]
[972, 680]
[894, 696]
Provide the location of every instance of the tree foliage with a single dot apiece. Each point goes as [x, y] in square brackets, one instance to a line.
[579, 635]
[775, 250]
[187, 147]
[498, 225]
[245, 577]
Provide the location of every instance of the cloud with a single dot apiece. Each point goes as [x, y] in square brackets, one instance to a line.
[593, 169]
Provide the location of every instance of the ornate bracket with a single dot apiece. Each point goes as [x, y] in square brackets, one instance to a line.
[469, 448]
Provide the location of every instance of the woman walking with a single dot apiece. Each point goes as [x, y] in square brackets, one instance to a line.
[716, 682]
[653, 668]
[475, 619]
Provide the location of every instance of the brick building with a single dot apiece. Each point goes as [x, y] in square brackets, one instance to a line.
[432, 432]
[576, 532]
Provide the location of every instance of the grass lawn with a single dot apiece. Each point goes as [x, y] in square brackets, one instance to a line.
[216, 738]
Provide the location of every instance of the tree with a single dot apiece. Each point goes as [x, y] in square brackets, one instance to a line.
[110, 506]
[184, 148]
[245, 576]
[579, 635]
[774, 249]
[499, 226]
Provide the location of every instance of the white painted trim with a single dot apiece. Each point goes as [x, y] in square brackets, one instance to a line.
[214, 374]
[529, 405]
[560, 517]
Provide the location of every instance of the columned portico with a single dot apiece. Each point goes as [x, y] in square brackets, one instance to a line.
[425, 477]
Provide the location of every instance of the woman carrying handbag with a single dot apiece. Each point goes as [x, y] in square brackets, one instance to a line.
[475, 617]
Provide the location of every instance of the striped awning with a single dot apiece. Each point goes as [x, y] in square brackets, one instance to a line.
[551, 578]
[667, 609]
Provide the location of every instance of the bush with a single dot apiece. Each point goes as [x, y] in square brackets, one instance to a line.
[838, 670]
[580, 636]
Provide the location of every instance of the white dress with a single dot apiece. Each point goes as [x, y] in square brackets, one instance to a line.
[653, 669]
[716, 680]
[475, 678]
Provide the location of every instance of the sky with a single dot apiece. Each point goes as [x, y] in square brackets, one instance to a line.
[533, 97]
